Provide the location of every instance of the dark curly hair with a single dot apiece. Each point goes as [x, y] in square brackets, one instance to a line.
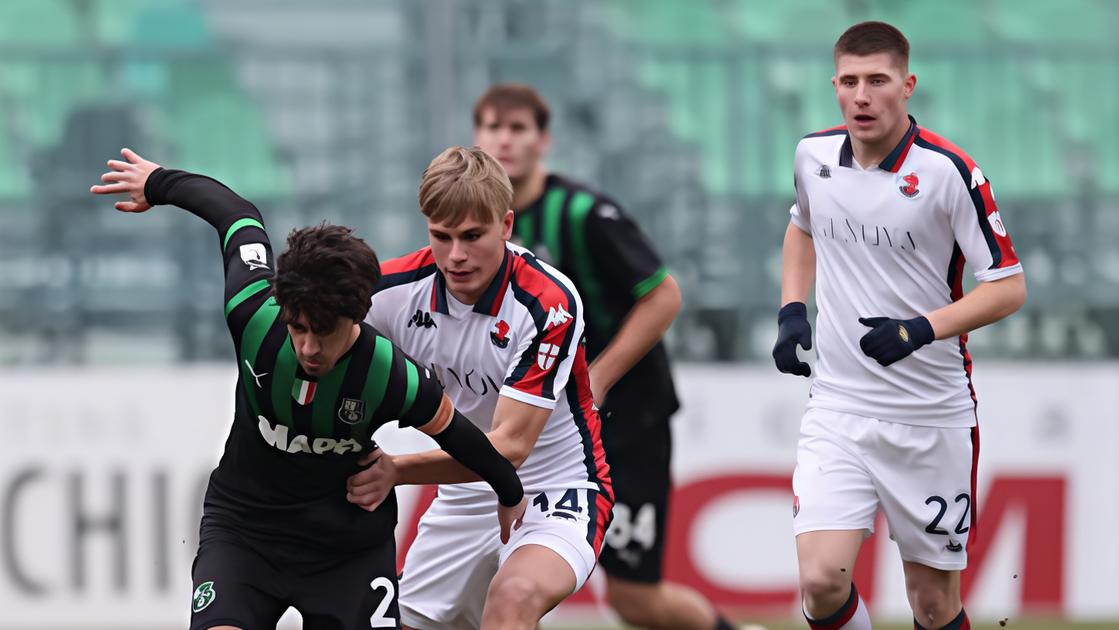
[326, 273]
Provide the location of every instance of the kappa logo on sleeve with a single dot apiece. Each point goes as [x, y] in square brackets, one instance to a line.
[254, 256]
[557, 316]
[996, 223]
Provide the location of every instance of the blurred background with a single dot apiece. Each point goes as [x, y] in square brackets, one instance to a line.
[686, 111]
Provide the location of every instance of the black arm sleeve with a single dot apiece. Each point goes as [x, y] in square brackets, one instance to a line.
[246, 251]
[199, 195]
[467, 444]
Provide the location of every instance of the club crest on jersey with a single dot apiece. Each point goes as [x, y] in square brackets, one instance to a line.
[907, 185]
[254, 256]
[351, 411]
[500, 334]
[547, 356]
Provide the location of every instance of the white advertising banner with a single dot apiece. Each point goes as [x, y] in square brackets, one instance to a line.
[102, 473]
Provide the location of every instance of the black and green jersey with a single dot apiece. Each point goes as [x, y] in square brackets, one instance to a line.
[592, 241]
[295, 439]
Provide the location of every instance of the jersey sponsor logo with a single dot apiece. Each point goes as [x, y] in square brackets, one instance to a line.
[254, 256]
[996, 223]
[351, 411]
[557, 316]
[422, 319]
[609, 211]
[256, 377]
[500, 334]
[853, 232]
[277, 437]
[468, 380]
[907, 185]
[203, 596]
[823, 172]
[303, 391]
[547, 355]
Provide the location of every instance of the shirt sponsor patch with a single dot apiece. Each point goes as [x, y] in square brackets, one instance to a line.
[254, 256]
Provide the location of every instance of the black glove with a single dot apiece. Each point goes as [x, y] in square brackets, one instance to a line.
[792, 329]
[891, 340]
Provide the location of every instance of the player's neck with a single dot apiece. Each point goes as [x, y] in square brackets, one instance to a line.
[528, 189]
[868, 155]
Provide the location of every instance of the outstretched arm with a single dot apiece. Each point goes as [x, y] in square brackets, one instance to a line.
[245, 248]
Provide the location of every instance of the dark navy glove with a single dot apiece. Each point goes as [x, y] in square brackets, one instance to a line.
[891, 340]
[792, 329]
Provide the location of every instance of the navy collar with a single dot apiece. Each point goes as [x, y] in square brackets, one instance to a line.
[893, 161]
[489, 303]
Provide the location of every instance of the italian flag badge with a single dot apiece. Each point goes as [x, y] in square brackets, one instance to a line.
[303, 391]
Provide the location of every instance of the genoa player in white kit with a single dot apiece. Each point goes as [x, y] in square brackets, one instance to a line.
[887, 214]
[503, 333]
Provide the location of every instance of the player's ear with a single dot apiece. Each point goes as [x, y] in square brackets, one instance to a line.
[910, 85]
[507, 225]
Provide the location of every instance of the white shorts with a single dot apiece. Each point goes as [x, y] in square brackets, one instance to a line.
[923, 478]
[457, 550]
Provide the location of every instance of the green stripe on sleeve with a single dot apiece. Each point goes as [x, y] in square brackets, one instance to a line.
[251, 338]
[410, 388]
[376, 382]
[237, 225]
[553, 217]
[641, 289]
[589, 286]
[283, 376]
[244, 294]
[324, 408]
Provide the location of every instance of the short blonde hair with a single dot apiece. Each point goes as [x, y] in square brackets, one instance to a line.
[463, 183]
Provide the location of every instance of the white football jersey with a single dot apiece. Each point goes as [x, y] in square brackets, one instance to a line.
[522, 339]
[891, 241]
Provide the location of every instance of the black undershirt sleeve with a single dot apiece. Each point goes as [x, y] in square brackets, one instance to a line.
[467, 444]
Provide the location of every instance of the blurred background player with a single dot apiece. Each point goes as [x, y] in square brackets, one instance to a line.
[886, 215]
[631, 301]
[314, 382]
[502, 332]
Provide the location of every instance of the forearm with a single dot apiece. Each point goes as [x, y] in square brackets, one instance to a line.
[470, 448]
[437, 466]
[200, 195]
[987, 303]
[798, 266]
[646, 323]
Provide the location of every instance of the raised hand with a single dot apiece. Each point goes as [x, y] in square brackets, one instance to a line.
[128, 178]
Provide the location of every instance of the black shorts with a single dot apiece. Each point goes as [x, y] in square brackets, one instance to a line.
[249, 585]
[638, 446]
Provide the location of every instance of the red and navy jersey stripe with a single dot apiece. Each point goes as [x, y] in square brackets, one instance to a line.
[413, 268]
[589, 424]
[1002, 250]
[539, 292]
[955, 292]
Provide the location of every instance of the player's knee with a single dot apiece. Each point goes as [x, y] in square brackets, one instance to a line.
[825, 589]
[933, 606]
[513, 598]
[636, 607]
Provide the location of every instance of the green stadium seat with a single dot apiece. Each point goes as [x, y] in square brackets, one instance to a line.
[42, 24]
[789, 21]
[223, 135]
[1040, 22]
[947, 23]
